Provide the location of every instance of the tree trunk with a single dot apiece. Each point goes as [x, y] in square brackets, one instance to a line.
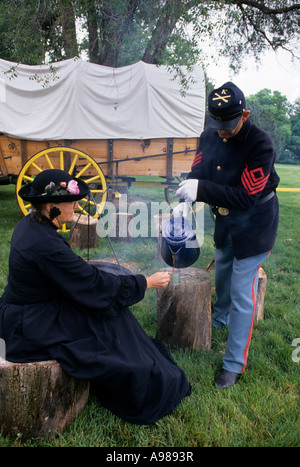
[184, 310]
[170, 14]
[38, 399]
[115, 22]
[92, 32]
[158, 42]
[67, 17]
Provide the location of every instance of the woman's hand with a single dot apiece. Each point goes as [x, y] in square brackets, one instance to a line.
[158, 280]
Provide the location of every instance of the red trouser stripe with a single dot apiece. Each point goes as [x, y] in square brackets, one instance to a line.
[252, 321]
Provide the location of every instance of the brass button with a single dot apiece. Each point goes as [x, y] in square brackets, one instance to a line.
[219, 167]
[224, 140]
[223, 211]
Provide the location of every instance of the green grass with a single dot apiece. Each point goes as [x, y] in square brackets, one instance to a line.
[262, 409]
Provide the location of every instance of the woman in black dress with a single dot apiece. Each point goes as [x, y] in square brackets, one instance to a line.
[56, 306]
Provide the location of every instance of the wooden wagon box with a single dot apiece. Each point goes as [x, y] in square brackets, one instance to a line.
[163, 157]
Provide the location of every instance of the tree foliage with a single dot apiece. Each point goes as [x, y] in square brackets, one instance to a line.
[173, 32]
[28, 31]
[119, 32]
[293, 145]
[272, 112]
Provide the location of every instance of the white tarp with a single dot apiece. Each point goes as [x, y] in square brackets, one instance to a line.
[81, 100]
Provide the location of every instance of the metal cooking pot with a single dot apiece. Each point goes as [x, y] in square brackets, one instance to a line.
[179, 246]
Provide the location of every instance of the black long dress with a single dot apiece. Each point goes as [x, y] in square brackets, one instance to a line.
[56, 306]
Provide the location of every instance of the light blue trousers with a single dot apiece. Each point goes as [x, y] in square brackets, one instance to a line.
[236, 284]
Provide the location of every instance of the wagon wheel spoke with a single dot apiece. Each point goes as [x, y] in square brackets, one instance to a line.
[76, 163]
[84, 170]
[27, 206]
[30, 179]
[37, 167]
[73, 164]
[49, 162]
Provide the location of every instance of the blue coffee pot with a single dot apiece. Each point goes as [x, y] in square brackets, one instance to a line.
[179, 246]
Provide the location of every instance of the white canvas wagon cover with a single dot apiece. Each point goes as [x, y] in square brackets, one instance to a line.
[75, 99]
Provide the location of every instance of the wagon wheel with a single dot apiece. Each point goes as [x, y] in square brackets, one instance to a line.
[76, 163]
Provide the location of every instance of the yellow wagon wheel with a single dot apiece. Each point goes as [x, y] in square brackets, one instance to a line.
[76, 163]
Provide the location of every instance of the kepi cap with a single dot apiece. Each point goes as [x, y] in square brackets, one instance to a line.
[225, 107]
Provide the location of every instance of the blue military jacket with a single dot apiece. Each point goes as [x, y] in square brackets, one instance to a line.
[237, 174]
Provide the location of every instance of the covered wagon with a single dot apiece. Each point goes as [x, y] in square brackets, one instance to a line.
[109, 126]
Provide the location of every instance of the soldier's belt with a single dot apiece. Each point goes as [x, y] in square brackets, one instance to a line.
[225, 211]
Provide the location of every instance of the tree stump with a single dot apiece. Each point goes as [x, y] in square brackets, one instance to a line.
[260, 297]
[84, 234]
[38, 399]
[184, 310]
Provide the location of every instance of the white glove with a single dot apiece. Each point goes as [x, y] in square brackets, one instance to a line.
[181, 210]
[188, 190]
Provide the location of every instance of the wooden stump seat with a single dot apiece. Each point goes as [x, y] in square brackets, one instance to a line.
[38, 399]
[184, 309]
[84, 231]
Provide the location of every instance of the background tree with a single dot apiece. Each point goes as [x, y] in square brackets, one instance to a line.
[28, 30]
[120, 32]
[293, 147]
[272, 112]
[68, 24]
[173, 32]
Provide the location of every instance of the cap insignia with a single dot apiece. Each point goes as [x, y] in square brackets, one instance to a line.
[224, 97]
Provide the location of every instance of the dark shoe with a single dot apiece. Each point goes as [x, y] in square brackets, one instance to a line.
[227, 378]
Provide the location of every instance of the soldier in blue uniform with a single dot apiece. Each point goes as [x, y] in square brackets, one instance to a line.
[233, 171]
